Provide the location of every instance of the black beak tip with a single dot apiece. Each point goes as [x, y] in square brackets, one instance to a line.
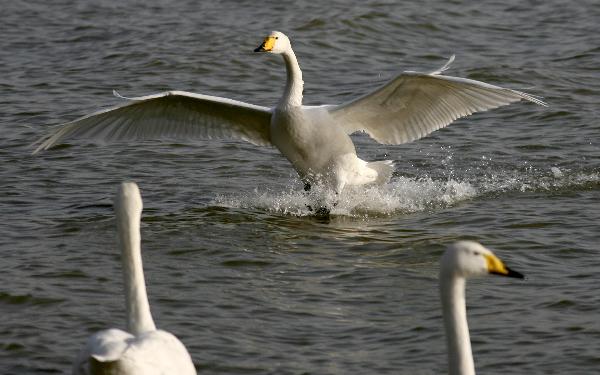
[515, 274]
[510, 273]
[258, 49]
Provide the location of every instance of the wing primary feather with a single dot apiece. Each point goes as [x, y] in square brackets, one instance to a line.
[173, 114]
[493, 98]
[445, 67]
[116, 93]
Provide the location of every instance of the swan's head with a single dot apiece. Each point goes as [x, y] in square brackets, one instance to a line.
[276, 42]
[128, 202]
[468, 258]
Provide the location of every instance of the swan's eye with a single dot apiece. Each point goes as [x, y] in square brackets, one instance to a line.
[476, 253]
[276, 37]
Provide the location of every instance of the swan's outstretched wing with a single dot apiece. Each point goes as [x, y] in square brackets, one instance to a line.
[415, 104]
[173, 115]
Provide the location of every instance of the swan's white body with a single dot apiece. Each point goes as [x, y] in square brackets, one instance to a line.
[322, 154]
[142, 349]
[462, 260]
[315, 139]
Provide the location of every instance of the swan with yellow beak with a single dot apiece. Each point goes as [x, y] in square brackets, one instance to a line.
[315, 139]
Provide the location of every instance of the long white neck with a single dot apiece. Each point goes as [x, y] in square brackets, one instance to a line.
[139, 319]
[292, 96]
[460, 357]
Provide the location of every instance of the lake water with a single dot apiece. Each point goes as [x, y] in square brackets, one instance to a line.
[235, 264]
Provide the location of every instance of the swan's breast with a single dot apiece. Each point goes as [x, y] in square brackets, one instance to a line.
[290, 125]
[309, 137]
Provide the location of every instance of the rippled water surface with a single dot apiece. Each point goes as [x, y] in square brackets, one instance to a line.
[236, 265]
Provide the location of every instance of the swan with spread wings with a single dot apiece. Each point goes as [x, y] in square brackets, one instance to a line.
[315, 139]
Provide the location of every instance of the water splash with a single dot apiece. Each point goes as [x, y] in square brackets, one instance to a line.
[408, 195]
[401, 195]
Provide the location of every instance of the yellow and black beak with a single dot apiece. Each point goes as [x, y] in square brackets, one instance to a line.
[267, 45]
[497, 267]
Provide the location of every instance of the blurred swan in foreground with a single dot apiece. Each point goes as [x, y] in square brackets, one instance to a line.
[315, 139]
[142, 349]
[462, 260]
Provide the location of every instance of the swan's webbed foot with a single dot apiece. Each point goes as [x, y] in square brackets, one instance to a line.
[322, 212]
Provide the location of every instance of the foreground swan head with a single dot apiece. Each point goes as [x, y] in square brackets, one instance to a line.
[276, 42]
[469, 259]
[462, 260]
[141, 349]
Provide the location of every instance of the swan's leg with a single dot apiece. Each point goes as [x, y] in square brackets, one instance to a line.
[307, 187]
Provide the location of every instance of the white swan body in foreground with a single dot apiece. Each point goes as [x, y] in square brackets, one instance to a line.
[462, 260]
[315, 139]
[142, 349]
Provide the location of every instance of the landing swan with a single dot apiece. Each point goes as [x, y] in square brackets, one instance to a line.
[142, 349]
[462, 260]
[315, 139]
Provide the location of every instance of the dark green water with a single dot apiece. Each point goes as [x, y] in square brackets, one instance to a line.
[235, 265]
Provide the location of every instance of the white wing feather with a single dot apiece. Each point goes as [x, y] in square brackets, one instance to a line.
[169, 115]
[104, 346]
[415, 104]
[151, 353]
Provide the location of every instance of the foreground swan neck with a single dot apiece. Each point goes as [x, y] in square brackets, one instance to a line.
[139, 319]
[292, 96]
[460, 357]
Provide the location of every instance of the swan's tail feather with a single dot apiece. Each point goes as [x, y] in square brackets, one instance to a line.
[384, 169]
